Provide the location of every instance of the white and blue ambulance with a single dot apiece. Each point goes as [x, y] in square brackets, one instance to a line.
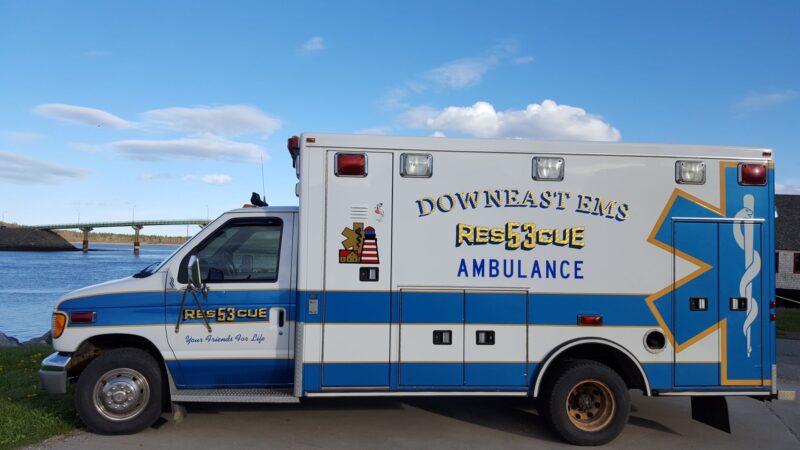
[564, 271]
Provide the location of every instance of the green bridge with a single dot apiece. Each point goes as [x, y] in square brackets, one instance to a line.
[137, 225]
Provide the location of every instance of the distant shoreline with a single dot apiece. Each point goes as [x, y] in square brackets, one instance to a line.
[80, 243]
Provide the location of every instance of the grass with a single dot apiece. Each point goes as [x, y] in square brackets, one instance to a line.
[788, 322]
[28, 416]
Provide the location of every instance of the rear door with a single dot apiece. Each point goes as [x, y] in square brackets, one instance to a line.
[718, 329]
[358, 255]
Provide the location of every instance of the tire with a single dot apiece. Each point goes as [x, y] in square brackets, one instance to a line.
[120, 392]
[587, 403]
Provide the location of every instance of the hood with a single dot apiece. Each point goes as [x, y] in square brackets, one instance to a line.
[154, 282]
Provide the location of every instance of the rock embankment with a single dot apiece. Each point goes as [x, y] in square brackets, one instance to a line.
[28, 239]
[10, 341]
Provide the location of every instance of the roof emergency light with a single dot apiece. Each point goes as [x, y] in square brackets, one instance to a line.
[350, 164]
[752, 174]
[416, 165]
[548, 169]
[690, 172]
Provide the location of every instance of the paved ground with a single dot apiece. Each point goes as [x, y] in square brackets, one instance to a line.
[458, 423]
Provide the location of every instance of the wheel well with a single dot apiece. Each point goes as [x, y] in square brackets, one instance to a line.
[607, 354]
[96, 345]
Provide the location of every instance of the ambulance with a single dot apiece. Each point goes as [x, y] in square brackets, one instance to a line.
[567, 272]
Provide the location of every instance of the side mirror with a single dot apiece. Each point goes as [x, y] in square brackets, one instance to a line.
[193, 268]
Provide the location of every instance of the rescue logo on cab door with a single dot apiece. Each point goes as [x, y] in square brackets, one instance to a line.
[360, 245]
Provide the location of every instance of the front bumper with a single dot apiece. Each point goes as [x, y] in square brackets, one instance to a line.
[53, 374]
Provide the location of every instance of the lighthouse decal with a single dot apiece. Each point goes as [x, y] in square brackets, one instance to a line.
[360, 245]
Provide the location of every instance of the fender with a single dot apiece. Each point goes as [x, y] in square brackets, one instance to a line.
[580, 341]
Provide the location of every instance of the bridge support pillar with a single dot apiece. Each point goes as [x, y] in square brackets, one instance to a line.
[136, 229]
[86, 231]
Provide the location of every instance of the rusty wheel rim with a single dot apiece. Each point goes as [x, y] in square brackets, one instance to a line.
[590, 405]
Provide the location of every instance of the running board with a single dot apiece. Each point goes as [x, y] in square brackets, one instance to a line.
[235, 395]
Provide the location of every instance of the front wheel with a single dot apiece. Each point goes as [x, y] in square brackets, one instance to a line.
[588, 403]
[119, 392]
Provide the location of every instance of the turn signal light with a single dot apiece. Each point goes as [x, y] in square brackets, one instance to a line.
[773, 304]
[59, 323]
[592, 320]
[752, 174]
[83, 317]
[351, 165]
[772, 317]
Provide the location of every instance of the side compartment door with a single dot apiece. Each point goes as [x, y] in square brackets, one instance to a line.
[246, 264]
[431, 338]
[495, 338]
[358, 260]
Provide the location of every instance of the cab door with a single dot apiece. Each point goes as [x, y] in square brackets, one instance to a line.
[245, 264]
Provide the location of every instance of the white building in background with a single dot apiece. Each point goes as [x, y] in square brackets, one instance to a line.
[787, 245]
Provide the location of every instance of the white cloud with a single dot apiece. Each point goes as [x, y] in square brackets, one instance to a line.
[229, 120]
[456, 74]
[26, 169]
[150, 176]
[20, 136]
[766, 100]
[522, 60]
[314, 44]
[210, 147]
[792, 188]
[82, 114]
[438, 134]
[216, 179]
[548, 120]
[459, 74]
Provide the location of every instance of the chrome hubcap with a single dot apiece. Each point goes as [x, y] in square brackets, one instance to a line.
[121, 394]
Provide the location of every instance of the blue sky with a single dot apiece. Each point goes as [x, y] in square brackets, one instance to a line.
[164, 109]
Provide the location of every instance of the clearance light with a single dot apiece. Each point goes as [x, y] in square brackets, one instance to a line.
[416, 165]
[59, 323]
[350, 165]
[83, 317]
[548, 169]
[592, 320]
[690, 172]
[752, 174]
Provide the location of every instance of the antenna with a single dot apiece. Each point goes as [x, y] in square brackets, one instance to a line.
[263, 189]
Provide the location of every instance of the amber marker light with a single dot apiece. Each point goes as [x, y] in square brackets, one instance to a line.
[59, 323]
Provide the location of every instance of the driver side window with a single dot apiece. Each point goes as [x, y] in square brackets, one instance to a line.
[242, 252]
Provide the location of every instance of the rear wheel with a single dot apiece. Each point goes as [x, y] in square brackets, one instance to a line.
[120, 392]
[587, 404]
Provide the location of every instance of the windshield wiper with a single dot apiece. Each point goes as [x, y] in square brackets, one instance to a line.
[144, 273]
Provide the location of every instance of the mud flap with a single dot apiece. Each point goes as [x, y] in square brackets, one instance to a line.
[712, 411]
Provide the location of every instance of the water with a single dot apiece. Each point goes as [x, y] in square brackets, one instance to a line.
[31, 282]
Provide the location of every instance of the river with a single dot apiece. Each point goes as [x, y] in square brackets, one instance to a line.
[31, 282]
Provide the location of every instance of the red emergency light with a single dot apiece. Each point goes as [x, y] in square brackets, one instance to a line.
[351, 165]
[752, 174]
[294, 148]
